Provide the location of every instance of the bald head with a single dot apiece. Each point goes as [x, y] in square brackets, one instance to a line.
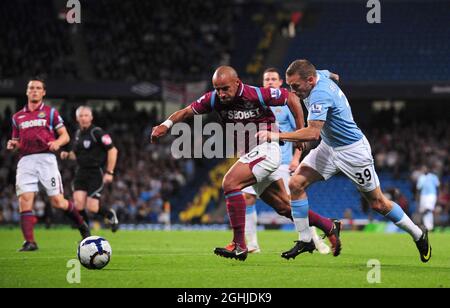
[226, 82]
[225, 72]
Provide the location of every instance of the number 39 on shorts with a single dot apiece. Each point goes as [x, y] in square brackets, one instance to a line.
[364, 176]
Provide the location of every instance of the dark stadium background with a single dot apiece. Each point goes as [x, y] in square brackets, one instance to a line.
[135, 62]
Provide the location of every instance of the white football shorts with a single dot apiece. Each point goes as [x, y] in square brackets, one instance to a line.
[354, 160]
[427, 203]
[38, 169]
[285, 174]
[264, 160]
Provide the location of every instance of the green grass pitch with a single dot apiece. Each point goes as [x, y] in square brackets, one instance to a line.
[182, 259]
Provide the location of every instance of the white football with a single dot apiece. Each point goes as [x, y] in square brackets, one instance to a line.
[94, 252]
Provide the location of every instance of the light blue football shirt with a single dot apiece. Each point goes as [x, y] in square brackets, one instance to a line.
[286, 123]
[328, 103]
[428, 184]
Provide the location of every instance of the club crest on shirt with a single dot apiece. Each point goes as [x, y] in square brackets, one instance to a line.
[41, 115]
[248, 105]
[87, 144]
[275, 93]
[315, 108]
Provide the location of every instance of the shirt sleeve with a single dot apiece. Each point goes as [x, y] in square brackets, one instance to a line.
[438, 183]
[419, 183]
[274, 96]
[319, 103]
[324, 73]
[103, 138]
[15, 130]
[204, 104]
[58, 121]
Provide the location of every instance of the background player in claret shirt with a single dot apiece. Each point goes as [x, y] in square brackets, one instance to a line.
[96, 158]
[34, 130]
[289, 163]
[343, 148]
[236, 102]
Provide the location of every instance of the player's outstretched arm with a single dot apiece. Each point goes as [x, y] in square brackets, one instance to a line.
[310, 133]
[63, 139]
[179, 116]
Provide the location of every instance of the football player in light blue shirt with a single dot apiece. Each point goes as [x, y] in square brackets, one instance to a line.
[289, 163]
[428, 187]
[343, 148]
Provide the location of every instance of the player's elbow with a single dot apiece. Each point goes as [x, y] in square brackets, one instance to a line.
[65, 139]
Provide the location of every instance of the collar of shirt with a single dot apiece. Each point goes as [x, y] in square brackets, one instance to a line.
[240, 90]
[86, 129]
[307, 99]
[26, 109]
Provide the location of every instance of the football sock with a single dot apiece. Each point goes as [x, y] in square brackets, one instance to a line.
[324, 224]
[104, 212]
[398, 217]
[236, 211]
[299, 210]
[27, 221]
[428, 220]
[251, 226]
[73, 214]
[83, 213]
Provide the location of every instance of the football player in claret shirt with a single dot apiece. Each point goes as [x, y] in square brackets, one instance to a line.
[236, 102]
[96, 157]
[38, 133]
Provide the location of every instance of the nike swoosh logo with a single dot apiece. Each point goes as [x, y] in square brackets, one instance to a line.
[239, 253]
[427, 257]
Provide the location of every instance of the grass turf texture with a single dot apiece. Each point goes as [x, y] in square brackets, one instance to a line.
[181, 259]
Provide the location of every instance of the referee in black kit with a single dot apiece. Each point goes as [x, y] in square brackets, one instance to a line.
[93, 149]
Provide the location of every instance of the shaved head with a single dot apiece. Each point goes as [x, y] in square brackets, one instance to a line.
[225, 72]
[226, 82]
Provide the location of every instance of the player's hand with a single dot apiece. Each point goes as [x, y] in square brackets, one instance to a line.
[266, 136]
[301, 146]
[335, 77]
[158, 132]
[12, 145]
[108, 178]
[64, 155]
[53, 146]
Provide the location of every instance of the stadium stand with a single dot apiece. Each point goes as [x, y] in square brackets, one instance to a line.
[183, 41]
[404, 46]
[40, 45]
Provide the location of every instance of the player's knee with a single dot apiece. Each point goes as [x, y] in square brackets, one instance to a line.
[92, 205]
[58, 202]
[229, 184]
[249, 199]
[79, 204]
[297, 186]
[26, 202]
